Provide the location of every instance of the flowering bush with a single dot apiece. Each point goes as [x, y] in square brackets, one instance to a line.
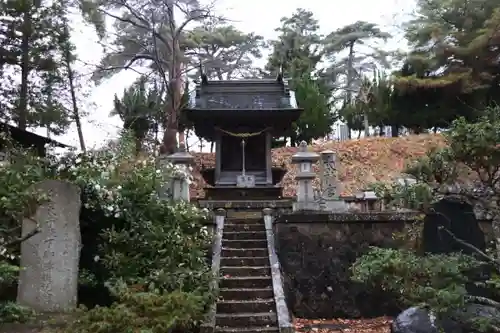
[139, 241]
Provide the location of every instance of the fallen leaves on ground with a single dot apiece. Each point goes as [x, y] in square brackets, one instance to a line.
[361, 162]
[372, 325]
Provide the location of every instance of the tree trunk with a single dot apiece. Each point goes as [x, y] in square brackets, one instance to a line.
[22, 112]
[212, 145]
[182, 137]
[186, 140]
[174, 91]
[495, 224]
[366, 125]
[359, 134]
[350, 78]
[76, 113]
[293, 140]
[394, 131]
[138, 145]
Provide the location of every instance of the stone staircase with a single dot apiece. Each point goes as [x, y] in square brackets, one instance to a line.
[246, 301]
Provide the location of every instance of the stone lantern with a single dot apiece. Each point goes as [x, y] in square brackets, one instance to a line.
[304, 160]
[180, 183]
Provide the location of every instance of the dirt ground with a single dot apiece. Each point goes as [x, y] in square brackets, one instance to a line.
[372, 325]
[53, 322]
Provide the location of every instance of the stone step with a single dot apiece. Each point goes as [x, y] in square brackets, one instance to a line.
[232, 306]
[244, 214]
[245, 293]
[245, 319]
[248, 221]
[240, 235]
[246, 282]
[263, 329]
[232, 227]
[249, 252]
[244, 243]
[246, 271]
[244, 261]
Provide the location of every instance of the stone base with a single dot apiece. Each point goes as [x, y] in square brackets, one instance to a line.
[334, 206]
[239, 193]
[309, 206]
[285, 203]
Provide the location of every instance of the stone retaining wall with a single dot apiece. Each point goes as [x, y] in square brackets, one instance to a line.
[316, 251]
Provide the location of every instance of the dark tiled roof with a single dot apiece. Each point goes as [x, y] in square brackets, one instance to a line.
[26, 137]
[243, 94]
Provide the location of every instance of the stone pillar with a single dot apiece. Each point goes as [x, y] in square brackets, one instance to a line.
[165, 191]
[305, 176]
[330, 184]
[329, 176]
[180, 184]
[48, 280]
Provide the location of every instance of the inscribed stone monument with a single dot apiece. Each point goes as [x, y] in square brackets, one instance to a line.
[48, 279]
[330, 184]
[329, 175]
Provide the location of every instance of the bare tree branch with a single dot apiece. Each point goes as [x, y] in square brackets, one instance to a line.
[27, 236]
[484, 301]
[483, 255]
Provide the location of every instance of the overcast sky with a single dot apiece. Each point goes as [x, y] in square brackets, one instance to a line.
[258, 16]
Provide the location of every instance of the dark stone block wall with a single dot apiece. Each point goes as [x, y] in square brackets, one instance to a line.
[316, 252]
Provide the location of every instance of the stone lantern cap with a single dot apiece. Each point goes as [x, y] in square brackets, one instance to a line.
[367, 195]
[304, 156]
[370, 195]
[181, 156]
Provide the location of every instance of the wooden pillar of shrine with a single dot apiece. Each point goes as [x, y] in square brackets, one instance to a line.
[269, 162]
[217, 157]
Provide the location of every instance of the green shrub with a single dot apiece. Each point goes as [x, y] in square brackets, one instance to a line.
[142, 311]
[10, 312]
[434, 281]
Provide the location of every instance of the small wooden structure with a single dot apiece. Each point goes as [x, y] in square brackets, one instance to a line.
[25, 139]
[242, 117]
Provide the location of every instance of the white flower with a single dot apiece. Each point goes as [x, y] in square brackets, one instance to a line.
[204, 231]
[96, 258]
